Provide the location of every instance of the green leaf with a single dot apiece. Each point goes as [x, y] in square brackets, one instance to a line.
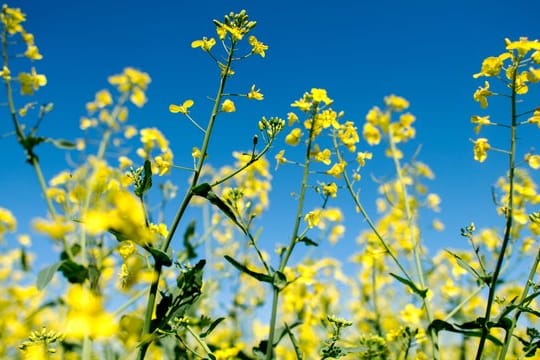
[411, 285]
[279, 280]
[45, 275]
[211, 327]
[307, 241]
[205, 190]
[62, 144]
[160, 256]
[466, 266]
[146, 183]
[259, 276]
[188, 235]
[73, 272]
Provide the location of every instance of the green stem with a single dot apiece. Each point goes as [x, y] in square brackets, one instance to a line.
[509, 219]
[525, 292]
[185, 202]
[416, 242]
[294, 237]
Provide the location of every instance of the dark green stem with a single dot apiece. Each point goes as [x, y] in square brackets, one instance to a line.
[509, 220]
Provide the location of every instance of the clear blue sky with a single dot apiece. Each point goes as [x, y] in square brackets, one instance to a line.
[360, 51]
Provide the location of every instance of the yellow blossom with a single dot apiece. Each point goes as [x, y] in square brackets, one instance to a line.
[321, 156]
[348, 136]
[291, 118]
[481, 146]
[56, 229]
[182, 109]
[361, 157]
[371, 134]
[396, 103]
[337, 169]
[254, 94]
[480, 121]
[330, 189]
[31, 81]
[293, 138]
[280, 158]
[7, 222]
[481, 95]
[411, 315]
[523, 45]
[126, 248]
[164, 162]
[196, 153]
[320, 96]
[32, 52]
[313, 218]
[257, 47]
[533, 160]
[12, 19]
[205, 44]
[228, 106]
[491, 66]
[138, 98]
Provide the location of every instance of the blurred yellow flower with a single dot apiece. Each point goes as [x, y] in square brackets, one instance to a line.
[481, 147]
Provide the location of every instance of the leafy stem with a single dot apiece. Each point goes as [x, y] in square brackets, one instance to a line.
[183, 206]
[509, 217]
[294, 237]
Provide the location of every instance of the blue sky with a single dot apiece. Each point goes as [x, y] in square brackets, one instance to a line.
[359, 51]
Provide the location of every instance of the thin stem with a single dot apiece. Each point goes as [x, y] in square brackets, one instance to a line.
[187, 199]
[416, 242]
[509, 220]
[518, 312]
[294, 236]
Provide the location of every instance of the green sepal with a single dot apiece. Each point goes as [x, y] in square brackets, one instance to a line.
[146, 183]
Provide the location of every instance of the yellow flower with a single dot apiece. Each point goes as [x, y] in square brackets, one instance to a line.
[152, 137]
[396, 103]
[523, 45]
[480, 121]
[320, 96]
[322, 156]
[31, 82]
[337, 169]
[7, 222]
[56, 229]
[164, 162]
[348, 136]
[86, 315]
[533, 161]
[481, 146]
[257, 47]
[313, 218]
[330, 190]
[371, 134]
[138, 98]
[291, 118]
[126, 248]
[205, 44]
[32, 52]
[196, 153]
[12, 19]
[411, 315]
[182, 109]
[228, 106]
[280, 158]
[491, 66]
[361, 157]
[254, 94]
[535, 119]
[481, 95]
[293, 138]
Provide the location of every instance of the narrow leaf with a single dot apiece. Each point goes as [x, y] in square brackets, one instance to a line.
[211, 327]
[465, 266]
[245, 270]
[411, 285]
[45, 275]
[159, 256]
[307, 241]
